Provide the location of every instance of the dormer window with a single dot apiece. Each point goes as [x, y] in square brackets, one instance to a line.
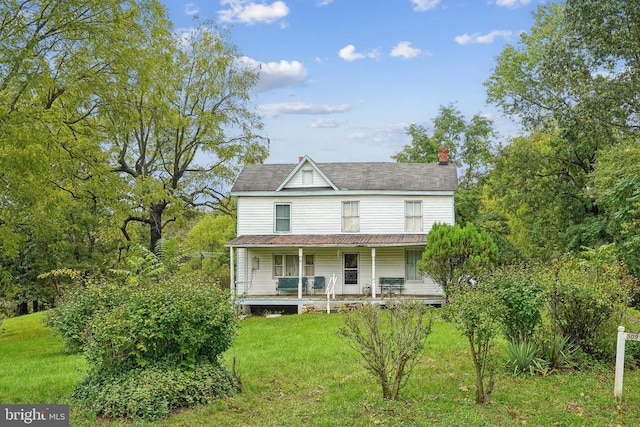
[307, 177]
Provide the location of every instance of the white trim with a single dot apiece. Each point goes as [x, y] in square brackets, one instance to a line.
[299, 166]
[332, 193]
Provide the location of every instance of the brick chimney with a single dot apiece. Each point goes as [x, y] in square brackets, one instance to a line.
[300, 158]
[443, 155]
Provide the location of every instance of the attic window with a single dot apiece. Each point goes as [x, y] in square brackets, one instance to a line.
[307, 177]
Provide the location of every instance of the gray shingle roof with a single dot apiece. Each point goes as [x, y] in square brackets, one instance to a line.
[357, 176]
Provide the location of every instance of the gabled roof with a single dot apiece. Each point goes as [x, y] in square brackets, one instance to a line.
[305, 160]
[363, 176]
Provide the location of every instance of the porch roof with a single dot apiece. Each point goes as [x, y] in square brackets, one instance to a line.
[328, 240]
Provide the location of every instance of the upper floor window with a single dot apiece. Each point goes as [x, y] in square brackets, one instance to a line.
[307, 177]
[283, 217]
[350, 216]
[413, 216]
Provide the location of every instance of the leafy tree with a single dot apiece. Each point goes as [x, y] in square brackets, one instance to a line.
[617, 188]
[389, 341]
[180, 129]
[470, 143]
[454, 256]
[541, 201]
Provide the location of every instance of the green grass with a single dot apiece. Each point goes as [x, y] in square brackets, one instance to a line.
[296, 371]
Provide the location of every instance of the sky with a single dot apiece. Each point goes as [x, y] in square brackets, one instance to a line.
[341, 80]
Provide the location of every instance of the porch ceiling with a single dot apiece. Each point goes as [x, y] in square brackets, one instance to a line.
[329, 240]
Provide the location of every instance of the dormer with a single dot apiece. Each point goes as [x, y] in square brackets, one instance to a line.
[306, 175]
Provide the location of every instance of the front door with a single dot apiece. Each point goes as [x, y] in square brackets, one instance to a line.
[351, 283]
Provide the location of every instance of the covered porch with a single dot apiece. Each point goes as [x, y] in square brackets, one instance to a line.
[295, 269]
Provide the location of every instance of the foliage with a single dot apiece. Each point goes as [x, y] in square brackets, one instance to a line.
[455, 255]
[388, 341]
[522, 292]
[523, 358]
[182, 128]
[208, 236]
[617, 188]
[588, 298]
[478, 314]
[182, 322]
[558, 352]
[143, 266]
[73, 317]
[152, 392]
[470, 143]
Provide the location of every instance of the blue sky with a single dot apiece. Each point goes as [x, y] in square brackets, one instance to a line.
[341, 80]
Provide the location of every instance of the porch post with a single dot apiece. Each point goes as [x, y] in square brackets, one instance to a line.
[232, 272]
[373, 273]
[300, 265]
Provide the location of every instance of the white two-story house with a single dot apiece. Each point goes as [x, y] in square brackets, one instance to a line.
[364, 224]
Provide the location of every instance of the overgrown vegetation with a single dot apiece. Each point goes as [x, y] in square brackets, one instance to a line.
[152, 348]
[390, 341]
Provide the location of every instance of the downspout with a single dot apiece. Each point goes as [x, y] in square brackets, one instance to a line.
[373, 273]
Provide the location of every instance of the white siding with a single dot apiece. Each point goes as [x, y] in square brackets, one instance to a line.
[328, 261]
[323, 214]
[296, 180]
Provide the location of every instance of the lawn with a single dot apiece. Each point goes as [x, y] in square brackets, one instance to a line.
[295, 370]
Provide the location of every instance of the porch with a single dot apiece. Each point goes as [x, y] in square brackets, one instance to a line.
[320, 303]
[297, 271]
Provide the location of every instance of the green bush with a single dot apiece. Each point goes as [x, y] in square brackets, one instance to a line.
[80, 303]
[558, 352]
[179, 323]
[588, 298]
[150, 393]
[522, 293]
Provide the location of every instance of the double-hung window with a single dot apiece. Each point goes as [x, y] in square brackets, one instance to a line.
[350, 216]
[413, 215]
[282, 218]
[412, 256]
[287, 265]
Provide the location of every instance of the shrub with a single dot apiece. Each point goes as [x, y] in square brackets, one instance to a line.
[588, 298]
[389, 341]
[558, 352]
[77, 308]
[522, 358]
[179, 323]
[522, 293]
[150, 393]
[477, 312]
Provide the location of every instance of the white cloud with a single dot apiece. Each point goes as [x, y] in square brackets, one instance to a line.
[404, 50]
[248, 12]
[327, 123]
[275, 75]
[190, 9]
[512, 3]
[478, 38]
[348, 53]
[385, 135]
[424, 5]
[275, 110]
[323, 2]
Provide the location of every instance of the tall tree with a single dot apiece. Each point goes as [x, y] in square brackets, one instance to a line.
[181, 128]
[470, 142]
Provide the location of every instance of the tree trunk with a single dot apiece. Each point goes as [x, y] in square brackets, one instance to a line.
[22, 308]
[155, 224]
[35, 306]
